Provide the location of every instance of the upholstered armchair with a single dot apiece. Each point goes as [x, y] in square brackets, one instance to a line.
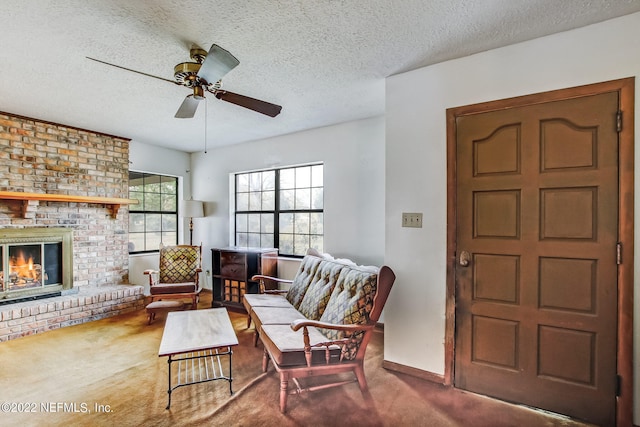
[178, 275]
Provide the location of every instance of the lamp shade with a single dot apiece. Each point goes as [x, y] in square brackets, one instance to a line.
[191, 209]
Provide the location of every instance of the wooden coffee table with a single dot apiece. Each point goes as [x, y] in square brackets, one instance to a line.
[197, 340]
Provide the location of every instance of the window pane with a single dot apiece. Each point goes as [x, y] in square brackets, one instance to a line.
[286, 223]
[152, 222]
[287, 178]
[317, 176]
[242, 183]
[242, 202]
[301, 244]
[268, 180]
[303, 198]
[268, 200]
[317, 198]
[267, 241]
[170, 237]
[152, 201]
[136, 223]
[242, 223]
[139, 196]
[317, 243]
[169, 202]
[169, 223]
[136, 242]
[152, 241]
[152, 184]
[267, 224]
[169, 185]
[242, 239]
[254, 240]
[286, 199]
[301, 223]
[254, 223]
[255, 181]
[286, 243]
[317, 223]
[255, 201]
[303, 177]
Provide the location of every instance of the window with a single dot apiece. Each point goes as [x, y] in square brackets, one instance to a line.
[280, 208]
[154, 219]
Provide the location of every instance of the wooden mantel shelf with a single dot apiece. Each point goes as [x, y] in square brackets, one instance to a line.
[113, 203]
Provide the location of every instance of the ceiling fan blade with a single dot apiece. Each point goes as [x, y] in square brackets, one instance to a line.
[263, 107]
[217, 63]
[188, 108]
[134, 71]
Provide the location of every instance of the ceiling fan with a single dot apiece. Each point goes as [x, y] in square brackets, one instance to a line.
[204, 75]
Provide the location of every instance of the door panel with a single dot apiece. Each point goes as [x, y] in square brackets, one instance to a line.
[537, 209]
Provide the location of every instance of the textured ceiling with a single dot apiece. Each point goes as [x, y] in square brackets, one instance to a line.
[324, 61]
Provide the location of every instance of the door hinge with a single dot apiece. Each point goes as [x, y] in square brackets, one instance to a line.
[618, 253]
[618, 385]
[619, 121]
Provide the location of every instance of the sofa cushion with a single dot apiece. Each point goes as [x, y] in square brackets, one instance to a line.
[275, 315]
[264, 300]
[302, 279]
[350, 303]
[319, 290]
[286, 346]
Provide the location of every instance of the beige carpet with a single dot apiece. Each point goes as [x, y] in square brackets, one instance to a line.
[108, 373]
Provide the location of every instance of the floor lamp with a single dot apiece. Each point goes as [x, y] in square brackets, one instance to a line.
[191, 209]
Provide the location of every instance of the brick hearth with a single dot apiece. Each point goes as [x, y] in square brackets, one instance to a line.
[90, 303]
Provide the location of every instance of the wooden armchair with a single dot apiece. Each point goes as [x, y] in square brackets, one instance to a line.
[178, 276]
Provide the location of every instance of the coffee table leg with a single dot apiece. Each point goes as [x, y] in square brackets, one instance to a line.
[169, 390]
[230, 373]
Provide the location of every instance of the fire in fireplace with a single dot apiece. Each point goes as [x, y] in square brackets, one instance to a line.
[35, 262]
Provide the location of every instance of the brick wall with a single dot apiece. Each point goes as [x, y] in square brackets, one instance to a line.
[41, 157]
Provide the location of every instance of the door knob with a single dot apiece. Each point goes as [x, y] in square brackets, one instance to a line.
[465, 258]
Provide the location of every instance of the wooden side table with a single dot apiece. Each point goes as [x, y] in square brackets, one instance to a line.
[233, 267]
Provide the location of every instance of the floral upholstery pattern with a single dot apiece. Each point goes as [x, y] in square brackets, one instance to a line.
[179, 264]
[351, 303]
[298, 289]
[319, 290]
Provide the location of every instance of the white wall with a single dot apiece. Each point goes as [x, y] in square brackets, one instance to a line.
[353, 156]
[416, 154]
[152, 159]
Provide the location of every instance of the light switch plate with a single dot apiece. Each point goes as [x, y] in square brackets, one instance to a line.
[412, 220]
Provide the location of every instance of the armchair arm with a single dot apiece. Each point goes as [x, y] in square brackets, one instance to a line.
[153, 276]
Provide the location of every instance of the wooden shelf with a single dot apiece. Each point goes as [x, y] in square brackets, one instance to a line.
[113, 203]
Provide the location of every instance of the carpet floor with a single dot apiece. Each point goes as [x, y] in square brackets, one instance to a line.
[108, 372]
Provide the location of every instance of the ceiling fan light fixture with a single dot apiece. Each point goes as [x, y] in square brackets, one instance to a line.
[186, 73]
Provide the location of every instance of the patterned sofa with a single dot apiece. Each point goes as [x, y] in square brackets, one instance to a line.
[321, 326]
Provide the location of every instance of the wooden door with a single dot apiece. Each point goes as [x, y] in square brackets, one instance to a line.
[536, 241]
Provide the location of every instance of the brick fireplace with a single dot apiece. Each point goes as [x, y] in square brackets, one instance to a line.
[53, 159]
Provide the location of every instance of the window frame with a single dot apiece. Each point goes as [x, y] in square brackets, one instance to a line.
[277, 211]
[140, 209]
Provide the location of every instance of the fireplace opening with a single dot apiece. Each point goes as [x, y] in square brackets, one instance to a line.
[34, 263]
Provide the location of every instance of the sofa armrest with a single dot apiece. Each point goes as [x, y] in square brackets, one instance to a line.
[343, 343]
[303, 323]
[261, 278]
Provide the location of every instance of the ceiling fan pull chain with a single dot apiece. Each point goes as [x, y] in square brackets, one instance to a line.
[206, 116]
